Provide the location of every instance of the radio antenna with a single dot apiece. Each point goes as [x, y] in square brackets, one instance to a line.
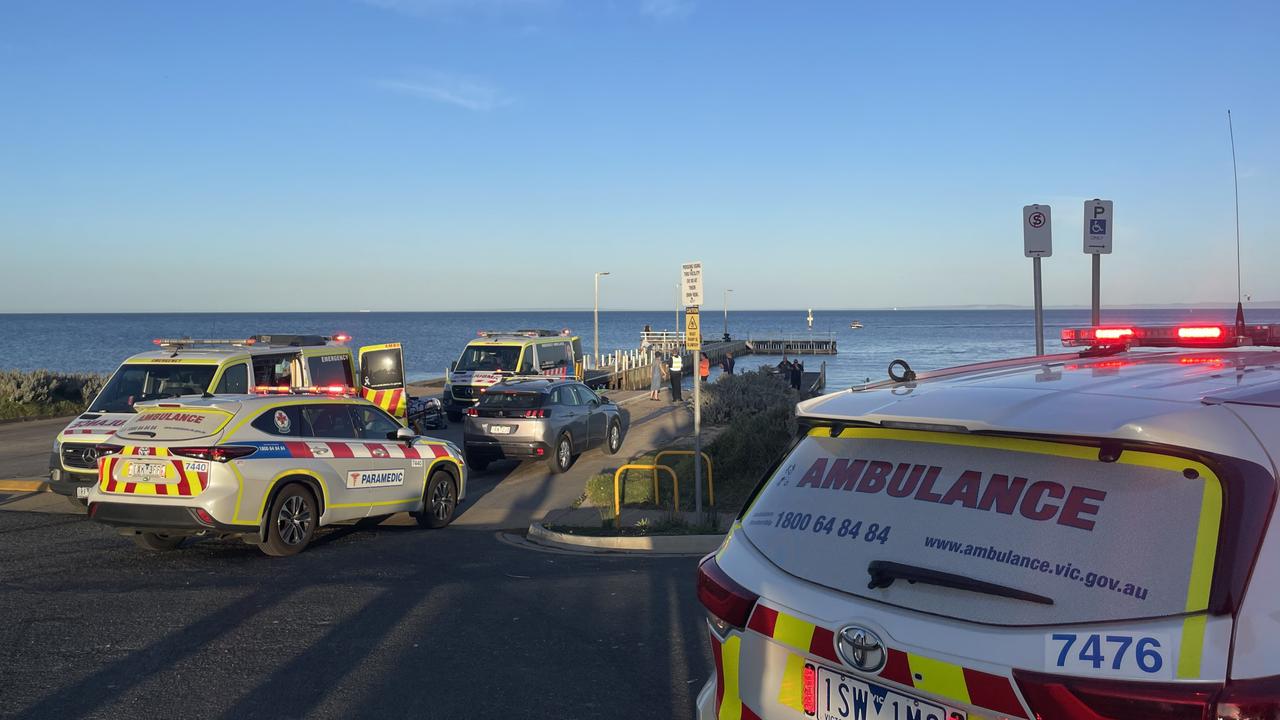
[1235, 178]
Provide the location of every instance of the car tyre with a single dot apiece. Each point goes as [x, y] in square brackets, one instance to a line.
[613, 438]
[292, 522]
[561, 455]
[439, 501]
[157, 542]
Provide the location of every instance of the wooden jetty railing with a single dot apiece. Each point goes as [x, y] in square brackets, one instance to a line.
[815, 344]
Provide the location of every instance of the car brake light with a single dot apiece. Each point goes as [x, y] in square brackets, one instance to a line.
[809, 692]
[1052, 697]
[203, 516]
[537, 414]
[217, 453]
[726, 600]
[1256, 699]
[472, 412]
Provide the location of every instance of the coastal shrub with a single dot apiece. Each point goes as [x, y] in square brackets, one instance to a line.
[42, 392]
[748, 393]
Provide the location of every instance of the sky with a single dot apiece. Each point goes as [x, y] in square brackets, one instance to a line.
[328, 155]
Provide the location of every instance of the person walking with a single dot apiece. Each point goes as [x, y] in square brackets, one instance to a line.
[676, 375]
[704, 367]
[727, 363]
[659, 371]
[797, 373]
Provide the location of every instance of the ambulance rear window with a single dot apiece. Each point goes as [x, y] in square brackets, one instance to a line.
[136, 382]
[1066, 537]
[174, 424]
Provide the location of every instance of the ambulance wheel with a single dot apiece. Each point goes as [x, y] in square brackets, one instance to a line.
[561, 455]
[439, 502]
[292, 522]
[613, 438]
[454, 417]
[156, 541]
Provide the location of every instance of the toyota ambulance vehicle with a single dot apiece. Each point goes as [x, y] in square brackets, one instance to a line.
[496, 355]
[185, 367]
[1081, 536]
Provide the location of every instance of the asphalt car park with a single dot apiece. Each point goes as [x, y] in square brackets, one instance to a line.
[385, 622]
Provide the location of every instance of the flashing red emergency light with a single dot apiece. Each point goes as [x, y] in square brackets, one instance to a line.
[341, 338]
[1201, 335]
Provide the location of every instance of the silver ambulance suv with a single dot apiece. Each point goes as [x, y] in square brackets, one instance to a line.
[270, 469]
[186, 367]
[1071, 537]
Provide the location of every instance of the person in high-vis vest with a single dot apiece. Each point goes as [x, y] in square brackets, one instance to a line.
[677, 376]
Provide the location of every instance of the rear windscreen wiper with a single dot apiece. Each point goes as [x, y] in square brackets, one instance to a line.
[884, 573]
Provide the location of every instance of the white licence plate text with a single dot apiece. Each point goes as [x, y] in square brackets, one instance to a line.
[844, 698]
[82, 492]
[500, 429]
[146, 470]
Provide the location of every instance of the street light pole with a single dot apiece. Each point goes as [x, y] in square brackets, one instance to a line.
[595, 340]
[726, 312]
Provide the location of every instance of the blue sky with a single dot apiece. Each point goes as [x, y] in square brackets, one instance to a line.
[483, 154]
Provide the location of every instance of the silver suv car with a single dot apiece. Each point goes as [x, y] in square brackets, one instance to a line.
[553, 419]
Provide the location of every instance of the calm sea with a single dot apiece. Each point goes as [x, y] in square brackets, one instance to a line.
[927, 339]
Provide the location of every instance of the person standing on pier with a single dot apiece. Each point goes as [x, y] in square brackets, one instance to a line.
[659, 370]
[727, 363]
[676, 373]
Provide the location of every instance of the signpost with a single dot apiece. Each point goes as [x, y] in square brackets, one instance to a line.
[1037, 242]
[1098, 227]
[691, 289]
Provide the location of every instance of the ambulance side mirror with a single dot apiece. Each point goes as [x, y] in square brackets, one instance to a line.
[405, 435]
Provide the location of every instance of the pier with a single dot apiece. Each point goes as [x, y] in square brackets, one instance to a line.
[812, 344]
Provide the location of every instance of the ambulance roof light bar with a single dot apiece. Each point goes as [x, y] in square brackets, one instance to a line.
[1189, 335]
[188, 342]
[329, 390]
[522, 333]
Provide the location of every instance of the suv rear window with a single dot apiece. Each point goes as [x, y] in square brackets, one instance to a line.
[511, 400]
[174, 424]
[1133, 538]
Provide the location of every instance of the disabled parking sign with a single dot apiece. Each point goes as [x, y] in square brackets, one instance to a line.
[1097, 227]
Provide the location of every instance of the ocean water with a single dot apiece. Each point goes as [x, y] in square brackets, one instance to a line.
[927, 339]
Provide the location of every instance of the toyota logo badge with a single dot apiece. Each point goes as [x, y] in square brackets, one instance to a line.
[861, 648]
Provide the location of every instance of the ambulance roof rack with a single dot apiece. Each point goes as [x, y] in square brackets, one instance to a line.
[261, 340]
[1189, 335]
[524, 333]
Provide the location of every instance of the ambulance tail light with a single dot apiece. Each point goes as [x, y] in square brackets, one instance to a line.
[1257, 699]
[1052, 697]
[728, 603]
[216, 453]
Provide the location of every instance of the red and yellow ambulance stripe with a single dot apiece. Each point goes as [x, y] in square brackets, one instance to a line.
[955, 683]
[394, 401]
[190, 480]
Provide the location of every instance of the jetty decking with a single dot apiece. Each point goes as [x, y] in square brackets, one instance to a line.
[816, 344]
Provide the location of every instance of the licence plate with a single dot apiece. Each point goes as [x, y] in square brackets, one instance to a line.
[82, 492]
[841, 697]
[151, 471]
[500, 429]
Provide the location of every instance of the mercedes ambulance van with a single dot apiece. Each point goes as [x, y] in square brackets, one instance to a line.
[497, 355]
[190, 367]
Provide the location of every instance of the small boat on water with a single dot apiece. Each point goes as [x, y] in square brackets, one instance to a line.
[855, 325]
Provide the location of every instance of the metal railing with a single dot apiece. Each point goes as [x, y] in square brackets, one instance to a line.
[711, 484]
[617, 487]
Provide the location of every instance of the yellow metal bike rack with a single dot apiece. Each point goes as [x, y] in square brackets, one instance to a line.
[617, 488]
[711, 485]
